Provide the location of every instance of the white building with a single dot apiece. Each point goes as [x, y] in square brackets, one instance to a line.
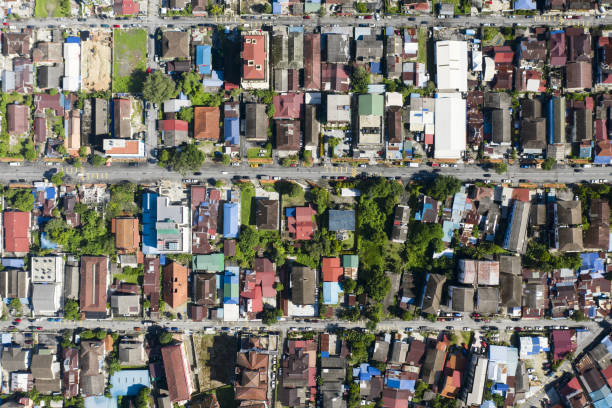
[451, 66]
[72, 67]
[47, 269]
[450, 126]
[338, 109]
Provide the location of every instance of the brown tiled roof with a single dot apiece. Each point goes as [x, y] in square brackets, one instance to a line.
[17, 118]
[288, 135]
[175, 44]
[94, 279]
[175, 284]
[394, 124]
[312, 61]
[126, 232]
[178, 374]
[206, 123]
[578, 75]
[266, 214]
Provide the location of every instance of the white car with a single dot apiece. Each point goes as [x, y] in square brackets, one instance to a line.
[235, 164]
[224, 172]
[507, 181]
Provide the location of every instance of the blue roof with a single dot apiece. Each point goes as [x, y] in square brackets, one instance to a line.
[230, 220]
[276, 8]
[13, 262]
[73, 40]
[341, 220]
[591, 261]
[99, 401]
[230, 285]
[149, 218]
[324, 354]
[129, 382]
[524, 5]
[365, 372]
[290, 212]
[46, 243]
[400, 384]
[331, 291]
[231, 127]
[203, 59]
[375, 67]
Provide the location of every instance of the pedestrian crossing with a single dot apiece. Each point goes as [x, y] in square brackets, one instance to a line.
[561, 20]
[83, 175]
[349, 170]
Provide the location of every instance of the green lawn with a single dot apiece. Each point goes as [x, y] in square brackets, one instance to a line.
[129, 59]
[246, 202]
[422, 38]
[253, 153]
[129, 278]
[52, 8]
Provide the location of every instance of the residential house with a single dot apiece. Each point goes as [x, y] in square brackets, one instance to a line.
[255, 71]
[430, 302]
[17, 119]
[256, 122]
[337, 48]
[174, 132]
[303, 285]
[127, 235]
[300, 222]
[16, 228]
[204, 214]
[122, 118]
[125, 304]
[175, 45]
[91, 357]
[338, 109]
[312, 61]
[370, 125]
[175, 284]
[288, 137]
[131, 352]
[266, 214]
[70, 372]
[206, 123]
[94, 286]
[178, 373]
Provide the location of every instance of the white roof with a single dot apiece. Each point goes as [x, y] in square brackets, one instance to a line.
[72, 66]
[231, 313]
[503, 362]
[338, 108]
[477, 61]
[175, 105]
[450, 125]
[394, 99]
[451, 65]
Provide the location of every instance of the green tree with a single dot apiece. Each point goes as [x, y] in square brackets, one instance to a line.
[278, 286]
[71, 310]
[268, 9]
[142, 399]
[15, 303]
[165, 338]
[97, 160]
[501, 168]
[59, 232]
[349, 285]
[442, 187]
[320, 197]
[579, 316]
[19, 199]
[360, 79]
[186, 158]
[58, 178]
[186, 114]
[83, 152]
[87, 334]
[29, 151]
[361, 7]
[214, 9]
[270, 316]
[288, 188]
[100, 334]
[548, 164]
[158, 87]
[225, 159]
[164, 156]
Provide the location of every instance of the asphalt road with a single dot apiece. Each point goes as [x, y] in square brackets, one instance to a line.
[154, 21]
[147, 173]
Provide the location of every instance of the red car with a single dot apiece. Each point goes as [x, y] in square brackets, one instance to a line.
[368, 17]
[17, 320]
[116, 26]
[307, 17]
[5, 23]
[39, 328]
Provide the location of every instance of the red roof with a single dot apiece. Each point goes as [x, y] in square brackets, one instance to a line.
[564, 342]
[521, 194]
[175, 124]
[265, 276]
[393, 398]
[125, 7]
[288, 106]
[331, 269]
[252, 292]
[301, 226]
[312, 61]
[253, 57]
[601, 131]
[608, 374]
[503, 55]
[16, 231]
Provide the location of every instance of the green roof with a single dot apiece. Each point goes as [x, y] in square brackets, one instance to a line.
[350, 261]
[371, 104]
[212, 262]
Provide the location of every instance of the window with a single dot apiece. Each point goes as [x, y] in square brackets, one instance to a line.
[258, 67]
[253, 41]
[248, 41]
[250, 63]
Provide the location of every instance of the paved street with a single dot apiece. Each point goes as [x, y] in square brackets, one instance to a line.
[150, 173]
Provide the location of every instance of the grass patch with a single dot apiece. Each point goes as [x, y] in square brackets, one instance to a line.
[254, 152]
[129, 59]
[422, 39]
[52, 8]
[129, 278]
[246, 202]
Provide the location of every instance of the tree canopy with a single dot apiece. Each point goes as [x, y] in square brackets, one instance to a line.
[442, 187]
[19, 199]
[158, 87]
[186, 157]
[360, 79]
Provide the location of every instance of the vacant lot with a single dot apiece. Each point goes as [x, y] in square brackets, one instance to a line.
[95, 62]
[52, 8]
[129, 59]
[216, 356]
